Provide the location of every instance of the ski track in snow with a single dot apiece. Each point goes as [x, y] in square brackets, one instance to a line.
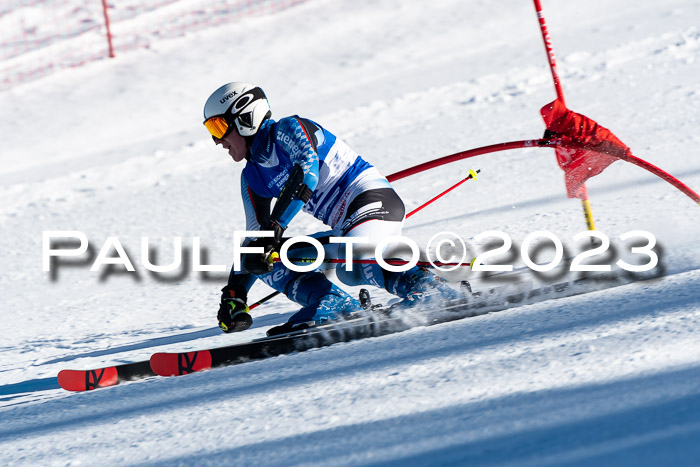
[611, 377]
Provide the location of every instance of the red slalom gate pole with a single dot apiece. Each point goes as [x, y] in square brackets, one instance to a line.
[585, 202]
[550, 51]
[664, 176]
[527, 143]
[109, 31]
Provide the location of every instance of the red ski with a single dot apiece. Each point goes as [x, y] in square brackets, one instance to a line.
[174, 364]
[86, 380]
[499, 297]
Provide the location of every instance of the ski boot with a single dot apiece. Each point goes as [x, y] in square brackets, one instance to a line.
[418, 286]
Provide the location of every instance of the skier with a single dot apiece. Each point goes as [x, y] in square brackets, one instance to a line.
[305, 167]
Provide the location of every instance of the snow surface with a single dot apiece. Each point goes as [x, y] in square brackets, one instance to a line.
[116, 148]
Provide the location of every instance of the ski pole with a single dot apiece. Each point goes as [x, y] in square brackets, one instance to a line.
[472, 174]
[393, 262]
[263, 300]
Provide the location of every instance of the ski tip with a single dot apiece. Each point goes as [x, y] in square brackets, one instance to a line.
[176, 364]
[86, 380]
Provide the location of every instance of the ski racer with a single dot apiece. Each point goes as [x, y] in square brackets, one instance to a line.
[305, 167]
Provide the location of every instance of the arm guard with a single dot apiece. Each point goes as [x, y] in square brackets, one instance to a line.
[295, 194]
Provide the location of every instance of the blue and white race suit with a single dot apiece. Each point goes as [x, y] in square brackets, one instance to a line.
[347, 193]
[335, 173]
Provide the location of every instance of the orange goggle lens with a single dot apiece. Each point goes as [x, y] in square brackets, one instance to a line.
[217, 126]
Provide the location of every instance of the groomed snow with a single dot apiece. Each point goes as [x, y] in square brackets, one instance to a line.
[116, 148]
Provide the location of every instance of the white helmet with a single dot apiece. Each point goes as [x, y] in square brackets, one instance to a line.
[236, 105]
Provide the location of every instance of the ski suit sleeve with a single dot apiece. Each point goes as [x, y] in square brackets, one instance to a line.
[294, 139]
[257, 212]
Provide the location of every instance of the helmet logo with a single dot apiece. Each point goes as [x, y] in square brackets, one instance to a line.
[241, 103]
[228, 96]
[245, 99]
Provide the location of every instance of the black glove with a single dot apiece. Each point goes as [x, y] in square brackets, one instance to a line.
[234, 315]
[262, 263]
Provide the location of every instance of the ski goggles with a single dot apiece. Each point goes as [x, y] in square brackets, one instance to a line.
[217, 126]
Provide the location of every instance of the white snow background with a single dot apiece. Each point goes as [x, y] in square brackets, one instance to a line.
[117, 148]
